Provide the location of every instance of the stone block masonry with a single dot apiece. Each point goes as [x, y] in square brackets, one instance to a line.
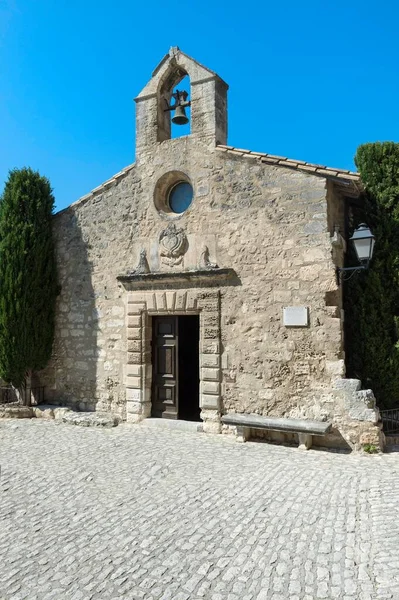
[271, 221]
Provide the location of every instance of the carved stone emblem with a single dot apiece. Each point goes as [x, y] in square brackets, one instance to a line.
[172, 245]
[205, 261]
[142, 266]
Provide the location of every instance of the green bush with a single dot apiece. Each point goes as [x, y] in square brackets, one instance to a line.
[372, 297]
[370, 449]
[28, 279]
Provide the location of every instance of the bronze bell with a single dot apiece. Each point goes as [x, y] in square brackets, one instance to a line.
[180, 117]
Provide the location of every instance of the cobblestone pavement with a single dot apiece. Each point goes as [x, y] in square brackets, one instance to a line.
[137, 512]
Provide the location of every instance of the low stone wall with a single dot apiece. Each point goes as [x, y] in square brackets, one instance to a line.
[357, 416]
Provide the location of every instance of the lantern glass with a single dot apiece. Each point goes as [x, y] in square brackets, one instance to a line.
[363, 241]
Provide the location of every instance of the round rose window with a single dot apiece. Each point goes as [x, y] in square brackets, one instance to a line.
[180, 197]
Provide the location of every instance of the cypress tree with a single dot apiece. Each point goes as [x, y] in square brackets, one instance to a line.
[28, 278]
[372, 297]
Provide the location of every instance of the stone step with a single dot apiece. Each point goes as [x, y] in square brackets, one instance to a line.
[16, 412]
[175, 424]
[90, 419]
[50, 411]
[59, 413]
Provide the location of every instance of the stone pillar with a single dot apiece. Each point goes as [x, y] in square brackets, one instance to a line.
[210, 350]
[242, 434]
[146, 123]
[137, 405]
[209, 110]
[305, 441]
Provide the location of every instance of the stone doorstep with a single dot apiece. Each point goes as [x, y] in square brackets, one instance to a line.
[172, 424]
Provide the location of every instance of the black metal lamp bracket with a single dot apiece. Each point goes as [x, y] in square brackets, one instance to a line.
[350, 271]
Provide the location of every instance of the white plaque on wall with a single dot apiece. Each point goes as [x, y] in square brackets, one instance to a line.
[295, 316]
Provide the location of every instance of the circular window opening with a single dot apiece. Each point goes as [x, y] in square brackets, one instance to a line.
[173, 194]
[180, 197]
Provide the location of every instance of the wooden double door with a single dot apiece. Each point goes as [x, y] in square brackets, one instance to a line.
[175, 367]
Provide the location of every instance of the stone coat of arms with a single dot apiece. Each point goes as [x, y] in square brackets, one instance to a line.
[172, 245]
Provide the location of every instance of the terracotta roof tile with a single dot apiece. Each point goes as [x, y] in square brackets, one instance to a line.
[272, 159]
[242, 150]
[257, 153]
[349, 175]
[287, 163]
[300, 165]
[274, 156]
[308, 168]
[327, 171]
[314, 165]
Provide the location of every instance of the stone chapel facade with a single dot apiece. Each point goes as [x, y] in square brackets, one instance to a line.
[228, 303]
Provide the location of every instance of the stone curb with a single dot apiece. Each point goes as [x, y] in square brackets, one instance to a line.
[59, 413]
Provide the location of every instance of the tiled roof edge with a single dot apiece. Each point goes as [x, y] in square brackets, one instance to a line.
[300, 165]
[271, 159]
[114, 179]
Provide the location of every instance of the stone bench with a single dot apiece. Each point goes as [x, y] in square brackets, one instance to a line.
[304, 429]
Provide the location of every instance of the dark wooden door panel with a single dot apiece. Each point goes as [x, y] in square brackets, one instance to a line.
[166, 360]
[165, 329]
[165, 367]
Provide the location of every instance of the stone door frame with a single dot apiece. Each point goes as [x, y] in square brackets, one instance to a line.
[141, 306]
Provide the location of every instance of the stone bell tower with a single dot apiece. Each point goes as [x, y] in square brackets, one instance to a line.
[208, 97]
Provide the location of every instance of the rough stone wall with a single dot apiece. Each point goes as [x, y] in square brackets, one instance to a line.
[94, 244]
[278, 240]
[280, 229]
[268, 223]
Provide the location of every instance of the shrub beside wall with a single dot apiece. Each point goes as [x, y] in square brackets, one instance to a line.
[28, 277]
[372, 297]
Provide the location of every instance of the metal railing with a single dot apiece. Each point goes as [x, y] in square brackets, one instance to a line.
[8, 395]
[390, 420]
[26, 396]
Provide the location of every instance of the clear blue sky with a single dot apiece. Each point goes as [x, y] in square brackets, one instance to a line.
[308, 80]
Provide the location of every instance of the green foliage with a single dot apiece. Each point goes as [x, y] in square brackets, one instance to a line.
[370, 449]
[372, 298]
[28, 279]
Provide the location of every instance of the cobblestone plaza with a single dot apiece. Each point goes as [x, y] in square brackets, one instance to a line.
[137, 512]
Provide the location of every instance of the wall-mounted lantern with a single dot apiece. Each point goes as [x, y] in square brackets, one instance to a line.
[363, 242]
